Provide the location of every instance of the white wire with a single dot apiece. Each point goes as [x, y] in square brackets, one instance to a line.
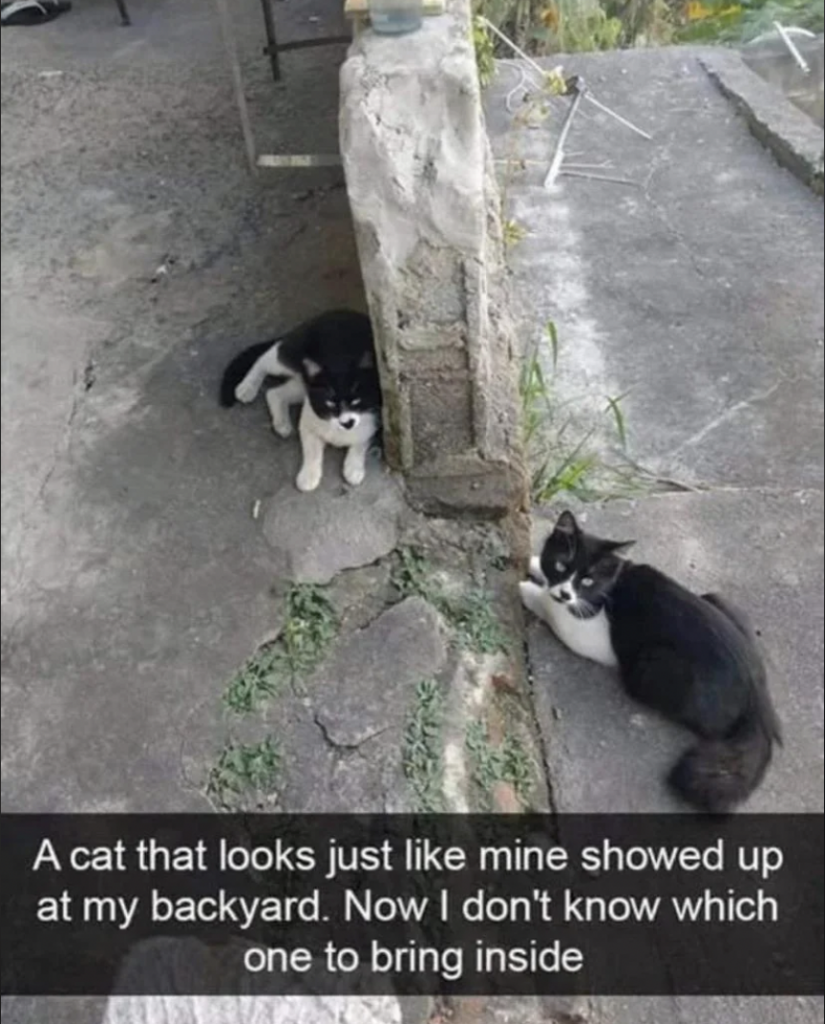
[525, 79]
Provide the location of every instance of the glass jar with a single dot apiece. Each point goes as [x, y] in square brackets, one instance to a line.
[396, 17]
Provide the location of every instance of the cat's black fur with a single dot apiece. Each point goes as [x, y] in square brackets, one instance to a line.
[240, 366]
[693, 659]
[333, 353]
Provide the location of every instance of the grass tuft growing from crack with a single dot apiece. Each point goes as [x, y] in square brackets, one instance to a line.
[310, 626]
[242, 768]
[412, 574]
[423, 766]
[256, 681]
[507, 762]
[474, 622]
[470, 615]
[557, 463]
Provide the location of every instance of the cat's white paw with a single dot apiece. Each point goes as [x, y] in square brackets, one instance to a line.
[531, 595]
[354, 475]
[282, 429]
[308, 479]
[246, 392]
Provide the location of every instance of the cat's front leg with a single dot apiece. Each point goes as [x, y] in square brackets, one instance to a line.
[534, 599]
[312, 448]
[535, 574]
[355, 464]
[279, 411]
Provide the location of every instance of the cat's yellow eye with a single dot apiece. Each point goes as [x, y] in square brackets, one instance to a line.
[587, 581]
[559, 566]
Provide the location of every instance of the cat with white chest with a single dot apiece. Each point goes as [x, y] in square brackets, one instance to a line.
[693, 659]
[327, 366]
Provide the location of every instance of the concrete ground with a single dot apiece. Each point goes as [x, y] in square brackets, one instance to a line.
[150, 537]
[134, 576]
[138, 255]
[697, 294]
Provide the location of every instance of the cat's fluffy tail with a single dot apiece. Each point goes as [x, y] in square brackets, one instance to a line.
[718, 774]
[238, 369]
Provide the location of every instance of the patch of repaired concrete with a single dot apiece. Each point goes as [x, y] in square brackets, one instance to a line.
[369, 684]
[320, 534]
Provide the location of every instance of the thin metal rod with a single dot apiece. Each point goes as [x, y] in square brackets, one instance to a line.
[538, 68]
[271, 40]
[308, 44]
[124, 14]
[598, 177]
[514, 48]
[237, 80]
[604, 166]
[558, 154]
[797, 56]
[319, 160]
[618, 117]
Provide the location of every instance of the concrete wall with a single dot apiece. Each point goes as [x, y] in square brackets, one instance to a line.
[426, 212]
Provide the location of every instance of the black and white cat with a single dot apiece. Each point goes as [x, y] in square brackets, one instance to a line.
[693, 659]
[328, 365]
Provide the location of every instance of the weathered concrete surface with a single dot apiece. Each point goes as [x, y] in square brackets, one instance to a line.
[771, 59]
[400, 648]
[701, 291]
[336, 527]
[763, 549]
[791, 135]
[286, 1010]
[426, 217]
[698, 292]
[134, 576]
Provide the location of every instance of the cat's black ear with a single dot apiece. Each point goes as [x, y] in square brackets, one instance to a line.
[367, 361]
[613, 547]
[567, 524]
[312, 368]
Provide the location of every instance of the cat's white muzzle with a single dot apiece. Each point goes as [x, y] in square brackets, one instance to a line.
[563, 593]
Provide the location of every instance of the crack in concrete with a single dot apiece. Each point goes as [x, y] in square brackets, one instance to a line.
[543, 743]
[346, 747]
[661, 157]
[62, 447]
[728, 414]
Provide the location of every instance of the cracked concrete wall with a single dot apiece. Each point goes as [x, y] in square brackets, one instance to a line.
[426, 212]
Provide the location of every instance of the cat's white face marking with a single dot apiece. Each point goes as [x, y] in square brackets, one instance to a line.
[566, 595]
[589, 638]
[349, 420]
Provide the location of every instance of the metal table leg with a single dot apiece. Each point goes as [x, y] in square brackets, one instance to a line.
[271, 48]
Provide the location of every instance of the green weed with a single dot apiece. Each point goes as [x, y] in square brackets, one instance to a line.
[310, 626]
[557, 464]
[485, 52]
[474, 622]
[242, 768]
[422, 747]
[507, 762]
[470, 615]
[258, 679]
[513, 233]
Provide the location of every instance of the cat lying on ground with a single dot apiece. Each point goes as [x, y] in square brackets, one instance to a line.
[693, 659]
[328, 365]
